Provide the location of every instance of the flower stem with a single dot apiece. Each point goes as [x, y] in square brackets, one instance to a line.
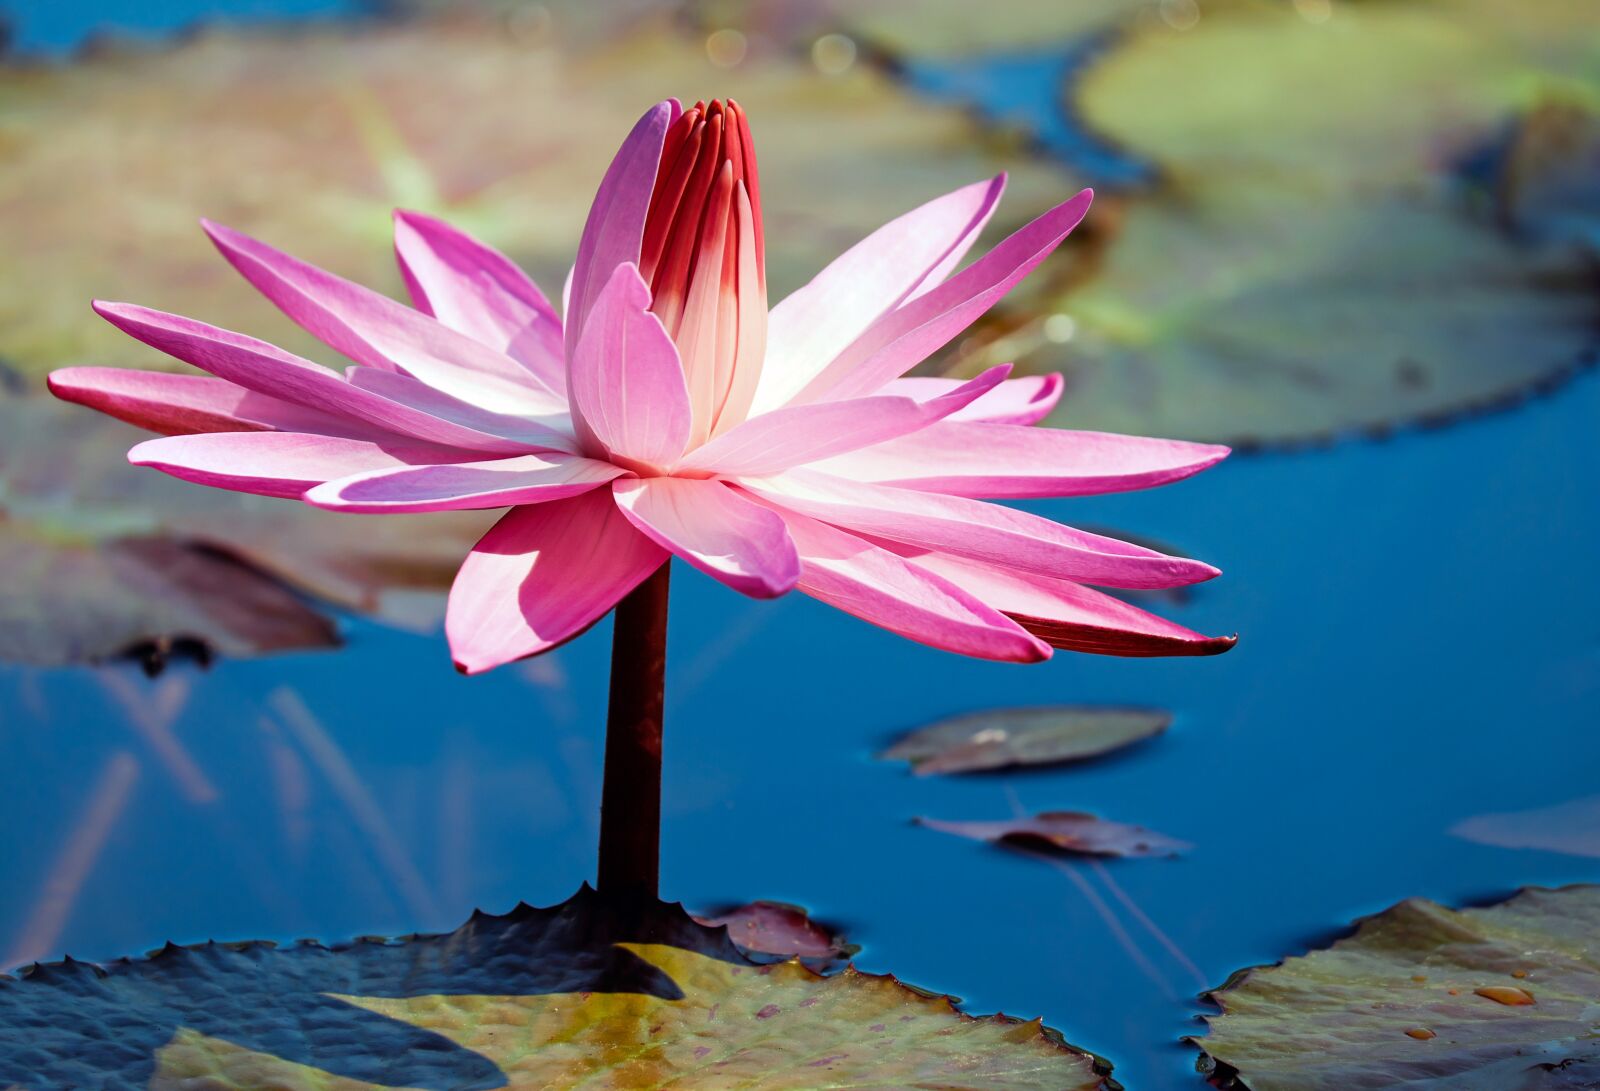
[630, 799]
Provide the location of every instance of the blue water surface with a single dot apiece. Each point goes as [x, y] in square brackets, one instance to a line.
[1419, 645]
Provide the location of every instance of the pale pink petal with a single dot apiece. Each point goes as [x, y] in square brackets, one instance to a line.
[1012, 461]
[476, 290]
[726, 536]
[615, 227]
[548, 432]
[500, 483]
[972, 528]
[1027, 400]
[878, 586]
[541, 576]
[798, 434]
[904, 337]
[267, 369]
[629, 398]
[1066, 615]
[180, 405]
[372, 329]
[277, 463]
[901, 260]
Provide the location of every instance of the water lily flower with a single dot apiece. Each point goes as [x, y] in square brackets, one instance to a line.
[670, 412]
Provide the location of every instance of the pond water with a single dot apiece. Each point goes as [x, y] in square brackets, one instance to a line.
[1419, 645]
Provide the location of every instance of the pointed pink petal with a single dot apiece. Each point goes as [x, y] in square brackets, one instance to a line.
[726, 536]
[476, 290]
[971, 528]
[180, 405]
[1027, 400]
[500, 483]
[372, 329]
[548, 432]
[541, 576]
[877, 586]
[1012, 461]
[277, 463]
[798, 434]
[901, 260]
[905, 337]
[615, 228]
[629, 398]
[267, 369]
[1069, 616]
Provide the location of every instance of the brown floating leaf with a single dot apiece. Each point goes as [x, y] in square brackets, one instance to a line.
[778, 928]
[1024, 736]
[1068, 831]
[1427, 998]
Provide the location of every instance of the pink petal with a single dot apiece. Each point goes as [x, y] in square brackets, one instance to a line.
[726, 536]
[971, 528]
[374, 330]
[629, 398]
[277, 463]
[500, 483]
[267, 369]
[615, 228]
[1027, 400]
[905, 337]
[541, 576]
[798, 434]
[476, 290]
[549, 432]
[1069, 616]
[179, 405]
[901, 260]
[877, 586]
[1011, 461]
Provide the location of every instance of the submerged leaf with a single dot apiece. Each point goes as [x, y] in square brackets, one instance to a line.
[778, 928]
[1425, 997]
[1066, 831]
[1024, 736]
[1572, 827]
[591, 992]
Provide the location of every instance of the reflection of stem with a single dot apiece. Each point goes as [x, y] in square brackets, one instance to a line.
[630, 799]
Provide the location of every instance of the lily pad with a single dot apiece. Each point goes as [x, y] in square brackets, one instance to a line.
[1024, 736]
[1071, 832]
[764, 928]
[1426, 997]
[590, 992]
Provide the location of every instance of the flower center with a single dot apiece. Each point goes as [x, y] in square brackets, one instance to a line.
[704, 256]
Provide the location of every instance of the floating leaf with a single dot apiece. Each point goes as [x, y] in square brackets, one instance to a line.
[778, 928]
[589, 992]
[1572, 827]
[1066, 831]
[1024, 736]
[1425, 997]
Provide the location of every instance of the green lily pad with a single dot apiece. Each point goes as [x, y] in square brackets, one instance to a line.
[1071, 832]
[1024, 736]
[591, 992]
[1426, 997]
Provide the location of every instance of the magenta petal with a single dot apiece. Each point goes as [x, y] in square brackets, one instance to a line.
[276, 463]
[1069, 616]
[372, 329]
[902, 259]
[180, 405]
[500, 483]
[798, 434]
[1027, 400]
[1008, 461]
[971, 528]
[542, 575]
[905, 337]
[629, 397]
[267, 369]
[880, 587]
[615, 228]
[726, 536]
[476, 290]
